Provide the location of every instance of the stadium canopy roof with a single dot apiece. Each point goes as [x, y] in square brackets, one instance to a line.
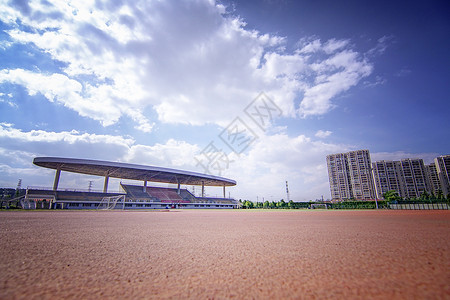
[131, 171]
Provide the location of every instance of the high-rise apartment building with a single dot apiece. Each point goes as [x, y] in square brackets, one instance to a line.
[443, 169]
[414, 178]
[338, 176]
[353, 176]
[387, 177]
[407, 177]
[434, 184]
[350, 175]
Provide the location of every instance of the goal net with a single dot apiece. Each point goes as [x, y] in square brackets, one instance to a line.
[319, 206]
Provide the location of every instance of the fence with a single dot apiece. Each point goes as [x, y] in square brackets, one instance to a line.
[420, 206]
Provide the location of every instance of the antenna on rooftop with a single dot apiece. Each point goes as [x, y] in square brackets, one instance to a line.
[287, 192]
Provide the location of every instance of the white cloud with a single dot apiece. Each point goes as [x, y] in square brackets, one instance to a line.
[334, 75]
[323, 134]
[381, 46]
[72, 137]
[403, 72]
[310, 46]
[179, 154]
[333, 45]
[375, 82]
[184, 59]
[9, 102]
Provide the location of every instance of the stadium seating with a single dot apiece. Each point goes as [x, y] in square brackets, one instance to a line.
[136, 193]
[166, 195]
[186, 195]
[156, 194]
[153, 197]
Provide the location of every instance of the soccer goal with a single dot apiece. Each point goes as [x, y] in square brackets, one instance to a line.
[111, 202]
[319, 206]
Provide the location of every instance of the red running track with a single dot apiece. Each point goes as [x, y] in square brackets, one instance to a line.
[201, 254]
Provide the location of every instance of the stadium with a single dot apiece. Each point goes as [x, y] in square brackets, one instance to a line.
[131, 196]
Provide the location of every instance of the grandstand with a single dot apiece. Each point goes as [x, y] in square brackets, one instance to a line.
[132, 196]
[170, 197]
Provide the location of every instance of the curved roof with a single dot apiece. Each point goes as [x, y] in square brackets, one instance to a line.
[131, 171]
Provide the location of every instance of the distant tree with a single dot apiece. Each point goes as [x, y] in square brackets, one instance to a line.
[291, 204]
[433, 197]
[266, 204]
[281, 204]
[439, 195]
[424, 196]
[391, 196]
[248, 204]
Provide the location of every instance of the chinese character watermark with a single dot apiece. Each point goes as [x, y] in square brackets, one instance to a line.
[213, 159]
[262, 111]
[238, 135]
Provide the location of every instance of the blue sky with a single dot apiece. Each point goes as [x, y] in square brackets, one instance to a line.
[160, 82]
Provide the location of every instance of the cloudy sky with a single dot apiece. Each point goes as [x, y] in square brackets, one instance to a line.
[256, 91]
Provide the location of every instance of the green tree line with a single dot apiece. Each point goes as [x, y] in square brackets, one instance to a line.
[246, 204]
[425, 197]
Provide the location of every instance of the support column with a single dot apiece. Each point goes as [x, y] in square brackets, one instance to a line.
[105, 185]
[203, 189]
[145, 186]
[57, 175]
[224, 195]
[178, 189]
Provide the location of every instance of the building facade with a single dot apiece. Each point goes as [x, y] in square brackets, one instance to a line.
[414, 178]
[408, 177]
[339, 178]
[434, 184]
[353, 176]
[387, 177]
[443, 170]
[350, 176]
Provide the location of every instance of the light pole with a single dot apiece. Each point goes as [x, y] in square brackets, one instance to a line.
[374, 188]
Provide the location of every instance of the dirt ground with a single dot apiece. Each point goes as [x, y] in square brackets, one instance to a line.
[243, 254]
